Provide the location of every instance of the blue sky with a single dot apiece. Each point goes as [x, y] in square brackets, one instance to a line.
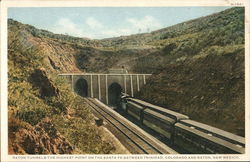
[106, 22]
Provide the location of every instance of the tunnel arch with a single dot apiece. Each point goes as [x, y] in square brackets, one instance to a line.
[114, 92]
[81, 87]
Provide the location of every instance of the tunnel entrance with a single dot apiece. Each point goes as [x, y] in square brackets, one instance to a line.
[81, 87]
[114, 92]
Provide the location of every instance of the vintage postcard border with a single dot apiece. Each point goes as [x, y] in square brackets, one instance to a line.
[115, 3]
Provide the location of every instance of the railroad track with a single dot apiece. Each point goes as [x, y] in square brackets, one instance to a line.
[136, 141]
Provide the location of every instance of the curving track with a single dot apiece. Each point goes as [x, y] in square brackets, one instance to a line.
[136, 141]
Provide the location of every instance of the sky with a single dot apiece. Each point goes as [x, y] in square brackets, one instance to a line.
[106, 22]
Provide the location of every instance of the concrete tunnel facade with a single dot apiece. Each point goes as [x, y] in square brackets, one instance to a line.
[104, 86]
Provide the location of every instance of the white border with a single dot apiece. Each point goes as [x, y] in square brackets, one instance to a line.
[116, 3]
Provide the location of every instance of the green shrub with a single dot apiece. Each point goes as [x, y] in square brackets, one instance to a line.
[32, 116]
[84, 135]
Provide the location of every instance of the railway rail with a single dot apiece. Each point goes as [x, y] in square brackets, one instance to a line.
[132, 137]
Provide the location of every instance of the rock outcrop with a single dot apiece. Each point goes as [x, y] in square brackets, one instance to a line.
[43, 138]
[40, 79]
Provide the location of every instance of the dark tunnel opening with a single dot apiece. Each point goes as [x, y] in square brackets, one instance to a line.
[114, 92]
[81, 87]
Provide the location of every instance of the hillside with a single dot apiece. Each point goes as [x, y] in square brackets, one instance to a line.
[158, 38]
[201, 73]
[197, 67]
[45, 117]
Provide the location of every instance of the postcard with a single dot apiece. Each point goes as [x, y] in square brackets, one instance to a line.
[113, 80]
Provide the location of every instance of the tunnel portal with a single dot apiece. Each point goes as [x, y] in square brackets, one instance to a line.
[114, 92]
[81, 87]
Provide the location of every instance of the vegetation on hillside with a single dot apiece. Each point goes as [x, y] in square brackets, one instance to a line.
[218, 22]
[28, 106]
[200, 71]
[40, 33]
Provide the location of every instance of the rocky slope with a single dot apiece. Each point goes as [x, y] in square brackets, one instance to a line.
[63, 53]
[45, 117]
[43, 138]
